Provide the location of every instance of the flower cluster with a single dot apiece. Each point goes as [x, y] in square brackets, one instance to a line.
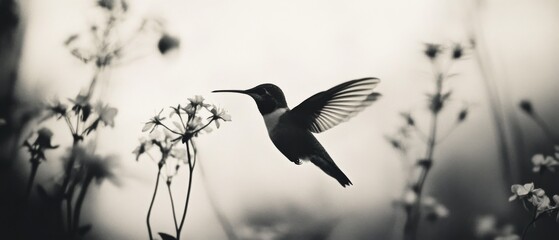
[536, 197]
[37, 148]
[83, 118]
[188, 121]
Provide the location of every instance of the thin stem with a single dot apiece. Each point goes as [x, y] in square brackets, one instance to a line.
[152, 201]
[545, 128]
[34, 167]
[173, 207]
[63, 194]
[495, 104]
[80, 200]
[447, 133]
[414, 212]
[78, 122]
[175, 132]
[191, 170]
[70, 125]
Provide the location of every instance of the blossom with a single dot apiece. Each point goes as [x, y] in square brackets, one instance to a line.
[167, 43]
[457, 51]
[540, 163]
[197, 101]
[153, 122]
[81, 103]
[432, 50]
[55, 108]
[41, 143]
[179, 153]
[145, 145]
[408, 117]
[96, 166]
[521, 191]
[485, 226]
[106, 114]
[540, 200]
[526, 106]
[219, 114]
[433, 209]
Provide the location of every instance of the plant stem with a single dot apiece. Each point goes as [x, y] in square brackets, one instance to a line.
[191, 171]
[414, 212]
[545, 128]
[525, 230]
[63, 190]
[493, 96]
[173, 207]
[34, 167]
[152, 201]
[79, 202]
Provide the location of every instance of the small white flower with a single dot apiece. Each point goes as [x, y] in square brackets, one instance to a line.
[540, 163]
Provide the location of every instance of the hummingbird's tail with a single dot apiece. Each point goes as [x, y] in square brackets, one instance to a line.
[330, 168]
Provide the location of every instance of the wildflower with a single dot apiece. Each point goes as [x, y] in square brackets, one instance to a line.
[432, 50]
[176, 110]
[540, 200]
[145, 145]
[521, 191]
[106, 114]
[436, 101]
[457, 51]
[542, 163]
[107, 4]
[197, 101]
[96, 166]
[179, 153]
[81, 103]
[463, 114]
[41, 143]
[410, 197]
[408, 117]
[153, 122]
[526, 106]
[167, 43]
[194, 124]
[433, 209]
[56, 109]
[219, 114]
[71, 39]
[485, 226]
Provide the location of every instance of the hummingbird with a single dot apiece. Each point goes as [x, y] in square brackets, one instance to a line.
[291, 130]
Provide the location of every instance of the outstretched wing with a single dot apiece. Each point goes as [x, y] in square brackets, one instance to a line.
[329, 108]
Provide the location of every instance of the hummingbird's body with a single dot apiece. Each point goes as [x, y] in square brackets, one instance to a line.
[291, 130]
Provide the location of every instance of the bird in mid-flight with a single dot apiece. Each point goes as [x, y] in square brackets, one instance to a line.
[291, 129]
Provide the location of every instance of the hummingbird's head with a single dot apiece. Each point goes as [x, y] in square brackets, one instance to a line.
[268, 97]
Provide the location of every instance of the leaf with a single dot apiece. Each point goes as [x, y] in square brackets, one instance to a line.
[166, 236]
[84, 229]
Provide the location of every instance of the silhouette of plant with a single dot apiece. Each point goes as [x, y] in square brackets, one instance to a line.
[415, 205]
[188, 123]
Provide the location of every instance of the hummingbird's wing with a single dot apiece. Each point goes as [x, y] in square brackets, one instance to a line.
[329, 108]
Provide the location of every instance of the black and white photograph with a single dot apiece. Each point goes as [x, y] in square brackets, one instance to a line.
[279, 120]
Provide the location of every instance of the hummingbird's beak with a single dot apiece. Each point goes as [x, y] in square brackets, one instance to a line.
[231, 91]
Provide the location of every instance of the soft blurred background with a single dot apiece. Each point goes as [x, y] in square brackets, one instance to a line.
[303, 47]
